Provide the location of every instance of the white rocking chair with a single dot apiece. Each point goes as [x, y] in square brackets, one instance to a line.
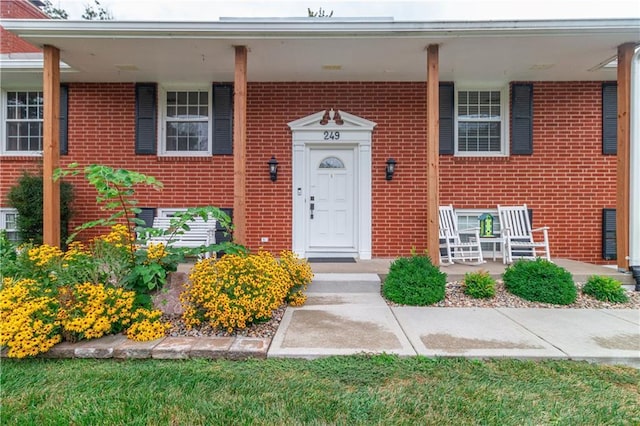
[517, 235]
[456, 249]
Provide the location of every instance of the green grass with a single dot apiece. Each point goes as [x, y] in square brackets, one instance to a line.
[340, 390]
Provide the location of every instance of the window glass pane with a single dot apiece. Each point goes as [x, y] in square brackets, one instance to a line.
[183, 132]
[194, 98]
[12, 144]
[479, 122]
[23, 143]
[172, 98]
[331, 163]
[24, 121]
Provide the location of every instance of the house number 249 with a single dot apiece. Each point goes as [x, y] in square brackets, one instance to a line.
[331, 136]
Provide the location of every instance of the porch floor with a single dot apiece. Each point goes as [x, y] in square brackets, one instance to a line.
[580, 270]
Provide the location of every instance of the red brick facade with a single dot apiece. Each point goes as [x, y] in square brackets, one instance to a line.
[567, 181]
[17, 9]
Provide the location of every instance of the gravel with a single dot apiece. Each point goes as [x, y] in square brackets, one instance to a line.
[454, 297]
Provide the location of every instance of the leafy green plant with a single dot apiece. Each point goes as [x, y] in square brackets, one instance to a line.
[116, 190]
[8, 256]
[540, 281]
[27, 198]
[479, 285]
[414, 281]
[605, 288]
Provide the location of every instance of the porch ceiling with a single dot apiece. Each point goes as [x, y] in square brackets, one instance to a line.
[341, 50]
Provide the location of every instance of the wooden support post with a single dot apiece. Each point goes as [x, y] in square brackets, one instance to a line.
[51, 146]
[433, 167]
[625, 54]
[240, 147]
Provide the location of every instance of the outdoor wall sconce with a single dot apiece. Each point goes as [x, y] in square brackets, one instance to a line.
[391, 168]
[273, 168]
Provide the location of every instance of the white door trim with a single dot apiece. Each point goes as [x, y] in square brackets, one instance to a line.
[347, 131]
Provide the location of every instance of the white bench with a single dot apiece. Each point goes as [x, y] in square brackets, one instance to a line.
[200, 234]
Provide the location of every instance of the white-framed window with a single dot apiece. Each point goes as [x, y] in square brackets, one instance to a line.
[481, 122]
[470, 218]
[22, 117]
[169, 212]
[9, 222]
[185, 122]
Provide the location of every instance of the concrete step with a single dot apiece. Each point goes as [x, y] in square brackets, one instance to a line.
[345, 283]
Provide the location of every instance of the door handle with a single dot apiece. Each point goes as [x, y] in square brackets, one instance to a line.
[312, 205]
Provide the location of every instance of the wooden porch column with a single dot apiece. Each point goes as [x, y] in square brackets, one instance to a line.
[625, 54]
[433, 167]
[51, 146]
[240, 147]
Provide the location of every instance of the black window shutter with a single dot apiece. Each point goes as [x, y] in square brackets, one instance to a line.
[147, 214]
[222, 119]
[222, 233]
[522, 119]
[610, 118]
[64, 119]
[609, 250]
[146, 116]
[447, 121]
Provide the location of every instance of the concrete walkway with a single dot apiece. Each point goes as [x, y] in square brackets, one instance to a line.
[345, 314]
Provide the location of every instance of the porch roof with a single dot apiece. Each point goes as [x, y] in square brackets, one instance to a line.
[307, 49]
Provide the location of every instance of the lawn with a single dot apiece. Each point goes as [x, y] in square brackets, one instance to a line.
[338, 390]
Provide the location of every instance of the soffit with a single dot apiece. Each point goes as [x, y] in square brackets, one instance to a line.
[490, 53]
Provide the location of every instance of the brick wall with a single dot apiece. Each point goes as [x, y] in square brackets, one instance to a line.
[567, 181]
[17, 9]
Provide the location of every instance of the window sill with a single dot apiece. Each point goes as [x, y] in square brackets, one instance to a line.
[186, 159]
[20, 158]
[480, 159]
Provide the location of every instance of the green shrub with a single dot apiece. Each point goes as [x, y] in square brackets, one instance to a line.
[414, 281]
[540, 281]
[479, 285]
[605, 288]
[27, 198]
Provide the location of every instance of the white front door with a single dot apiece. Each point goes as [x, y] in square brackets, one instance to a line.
[331, 223]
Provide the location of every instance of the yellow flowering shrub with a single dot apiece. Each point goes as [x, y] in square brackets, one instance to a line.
[33, 318]
[237, 290]
[44, 255]
[146, 325]
[29, 322]
[156, 252]
[93, 310]
[301, 275]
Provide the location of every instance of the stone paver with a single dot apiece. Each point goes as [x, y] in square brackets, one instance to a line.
[174, 348]
[211, 347]
[98, 348]
[249, 347]
[136, 350]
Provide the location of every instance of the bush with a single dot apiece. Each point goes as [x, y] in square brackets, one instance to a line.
[605, 288]
[414, 281]
[540, 281]
[35, 316]
[240, 289]
[479, 285]
[27, 198]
